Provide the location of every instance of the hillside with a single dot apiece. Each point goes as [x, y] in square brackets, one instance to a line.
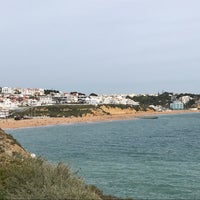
[10, 147]
[76, 110]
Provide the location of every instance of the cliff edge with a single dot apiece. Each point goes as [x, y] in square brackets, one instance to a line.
[10, 147]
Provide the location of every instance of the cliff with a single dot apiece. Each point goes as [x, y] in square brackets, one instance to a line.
[10, 147]
[77, 110]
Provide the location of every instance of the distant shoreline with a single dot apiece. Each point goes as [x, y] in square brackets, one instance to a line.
[45, 121]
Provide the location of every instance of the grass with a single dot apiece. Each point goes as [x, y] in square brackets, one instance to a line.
[30, 178]
[58, 111]
[35, 178]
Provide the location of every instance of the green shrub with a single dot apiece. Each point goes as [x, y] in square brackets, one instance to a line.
[37, 179]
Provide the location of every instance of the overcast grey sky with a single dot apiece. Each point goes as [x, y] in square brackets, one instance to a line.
[102, 46]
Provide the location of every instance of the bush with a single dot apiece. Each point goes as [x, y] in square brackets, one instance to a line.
[37, 179]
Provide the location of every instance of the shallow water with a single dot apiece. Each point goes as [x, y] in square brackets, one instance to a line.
[143, 158]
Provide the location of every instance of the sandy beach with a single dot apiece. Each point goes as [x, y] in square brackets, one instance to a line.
[45, 121]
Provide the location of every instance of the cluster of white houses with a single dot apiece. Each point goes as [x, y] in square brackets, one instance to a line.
[13, 98]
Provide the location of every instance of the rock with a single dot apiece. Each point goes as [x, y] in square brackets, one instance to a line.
[10, 146]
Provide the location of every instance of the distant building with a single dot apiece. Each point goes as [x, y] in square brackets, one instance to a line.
[31, 91]
[46, 100]
[177, 105]
[185, 99]
[4, 113]
[7, 90]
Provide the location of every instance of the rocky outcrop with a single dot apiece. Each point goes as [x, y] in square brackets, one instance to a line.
[112, 110]
[117, 110]
[10, 146]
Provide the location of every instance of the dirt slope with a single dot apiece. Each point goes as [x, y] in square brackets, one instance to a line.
[10, 147]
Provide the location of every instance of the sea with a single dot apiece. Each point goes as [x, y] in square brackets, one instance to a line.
[136, 158]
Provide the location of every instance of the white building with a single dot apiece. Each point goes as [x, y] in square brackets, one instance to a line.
[4, 113]
[185, 99]
[7, 90]
[107, 100]
[93, 100]
[8, 104]
[46, 100]
[70, 98]
[33, 102]
[31, 91]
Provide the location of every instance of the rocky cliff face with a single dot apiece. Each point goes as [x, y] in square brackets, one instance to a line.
[117, 110]
[109, 110]
[10, 147]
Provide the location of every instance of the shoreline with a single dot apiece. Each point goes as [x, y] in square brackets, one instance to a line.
[46, 121]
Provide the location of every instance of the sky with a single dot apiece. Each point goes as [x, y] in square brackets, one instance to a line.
[101, 46]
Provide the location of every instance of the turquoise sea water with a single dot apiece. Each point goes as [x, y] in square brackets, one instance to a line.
[142, 158]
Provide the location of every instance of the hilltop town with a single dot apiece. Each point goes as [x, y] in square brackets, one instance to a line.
[12, 99]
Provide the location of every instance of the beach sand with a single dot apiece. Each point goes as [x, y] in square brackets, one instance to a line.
[45, 121]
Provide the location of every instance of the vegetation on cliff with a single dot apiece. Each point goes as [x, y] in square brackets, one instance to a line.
[37, 179]
[72, 110]
[163, 99]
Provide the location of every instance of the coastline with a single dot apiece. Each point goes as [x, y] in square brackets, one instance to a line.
[45, 121]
